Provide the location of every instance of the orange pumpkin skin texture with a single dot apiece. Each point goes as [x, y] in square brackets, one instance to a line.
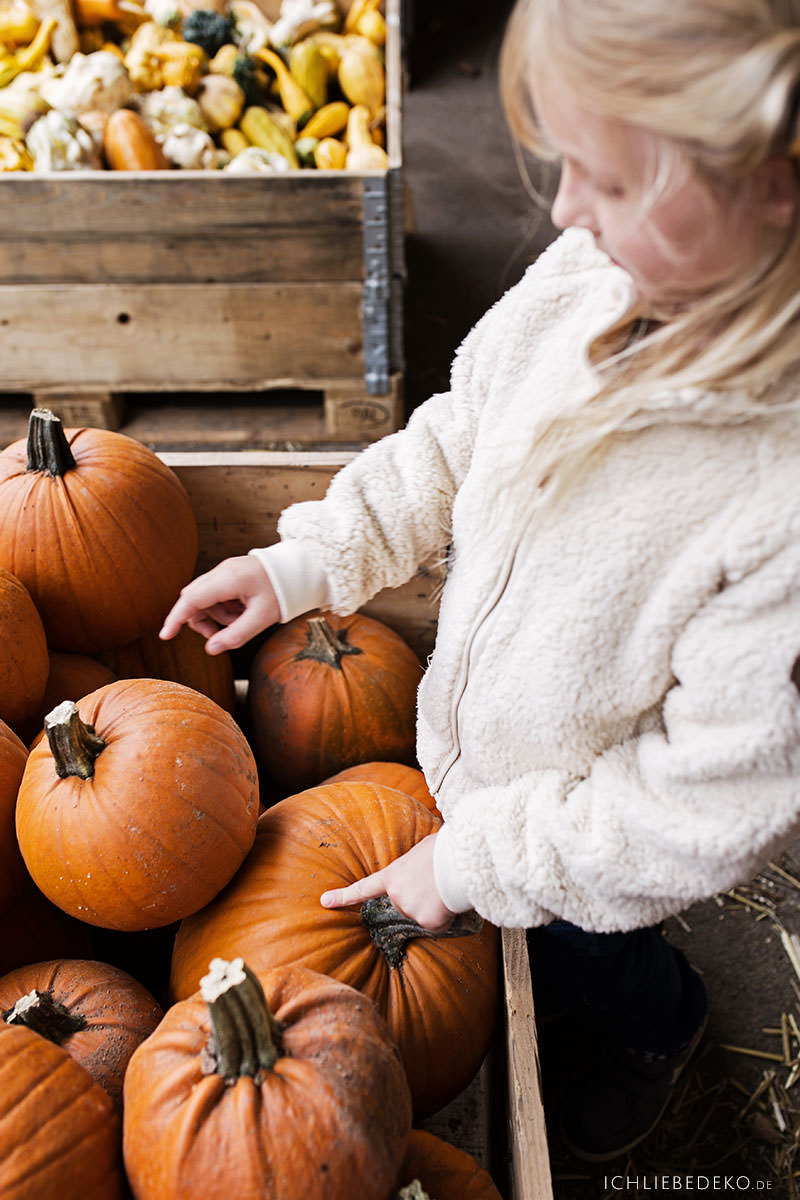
[396, 775]
[99, 530]
[444, 1171]
[59, 1131]
[71, 677]
[164, 818]
[328, 692]
[96, 1012]
[13, 757]
[440, 1001]
[182, 659]
[331, 1114]
[24, 661]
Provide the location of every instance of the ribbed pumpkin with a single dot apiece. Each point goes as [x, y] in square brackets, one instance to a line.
[284, 1086]
[397, 775]
[23, 652]
[59, 1131]
[439, 995]
[182, 659]
[71, 677]
[13, 757]
[444, 1171]
[328, 692]
[98, 529]
[138, 806]
[96, 1012]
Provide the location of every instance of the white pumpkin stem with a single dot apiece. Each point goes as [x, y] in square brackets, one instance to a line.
[413, 1191]
[245, 1037]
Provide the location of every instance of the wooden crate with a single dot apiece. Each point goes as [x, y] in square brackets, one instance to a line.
[120, 283]
[237, 498]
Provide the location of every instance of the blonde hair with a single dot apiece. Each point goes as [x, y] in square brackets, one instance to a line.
[718, 84]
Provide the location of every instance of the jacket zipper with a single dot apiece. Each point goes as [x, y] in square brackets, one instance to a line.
[461, 683]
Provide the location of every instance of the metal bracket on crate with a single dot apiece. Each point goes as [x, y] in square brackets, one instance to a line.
[381, 302]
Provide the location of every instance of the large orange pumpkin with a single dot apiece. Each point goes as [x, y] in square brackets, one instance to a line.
[397, 775]
[444, 1171]
[23, 652]
[182, 659]
[439, 995]
[96, 1012]
[328, 692]
[285, 1086]
[59, 1131]
[13, 757]
[138, 806]
[98, 529]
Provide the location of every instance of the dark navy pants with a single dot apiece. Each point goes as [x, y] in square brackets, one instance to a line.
[635, 989]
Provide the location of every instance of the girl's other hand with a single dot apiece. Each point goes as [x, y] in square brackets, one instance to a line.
[236, 595]
[408, 882]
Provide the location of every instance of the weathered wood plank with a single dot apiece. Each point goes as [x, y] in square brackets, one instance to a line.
[125, 337]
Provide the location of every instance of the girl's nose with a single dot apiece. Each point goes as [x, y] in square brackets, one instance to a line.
[572, 204]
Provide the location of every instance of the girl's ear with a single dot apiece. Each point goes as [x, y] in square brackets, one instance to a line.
[779, 194]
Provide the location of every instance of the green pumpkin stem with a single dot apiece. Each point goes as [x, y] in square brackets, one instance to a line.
[245, 1037]
[391, 931]
[73, 743]
[44, 1015]
[324, 644]
[48, 448]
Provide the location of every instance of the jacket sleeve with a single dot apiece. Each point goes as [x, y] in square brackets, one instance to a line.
[699, 800]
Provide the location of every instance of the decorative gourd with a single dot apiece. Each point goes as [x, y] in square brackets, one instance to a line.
[71, 675]
[286, 1085]
[59, 1131]
[35, 929]
[98, 529]
[328, 692]
[439, 995]
[182, 659]
[130, 145]
[96, 1012]
[444, 1172]
[391, 774]
[23, 652]
[139, 805]
[13, 757]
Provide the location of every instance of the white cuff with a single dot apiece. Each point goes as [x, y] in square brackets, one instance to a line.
[446, 875]
[299, 580]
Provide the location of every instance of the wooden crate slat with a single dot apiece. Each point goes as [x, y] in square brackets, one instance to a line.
[121, 337]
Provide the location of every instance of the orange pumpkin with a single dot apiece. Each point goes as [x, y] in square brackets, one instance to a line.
[444, 1172]
[138, 806]
[59, 1131]
[182, 659]
[98, 529]
[71, 677]
[23, 652]
[328, 692]
[13, 757]
[397, 775]
[286, 1085]
[439, 995]
[96, 1012]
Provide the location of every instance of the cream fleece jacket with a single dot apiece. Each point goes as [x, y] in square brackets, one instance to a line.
[609, 720]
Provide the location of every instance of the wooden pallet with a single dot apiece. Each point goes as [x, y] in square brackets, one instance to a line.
[283, 417]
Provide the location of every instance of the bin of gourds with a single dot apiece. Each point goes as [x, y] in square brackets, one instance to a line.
[142, 85]
[294, 1045]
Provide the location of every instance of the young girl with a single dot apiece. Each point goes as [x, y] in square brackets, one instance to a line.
[611, 718]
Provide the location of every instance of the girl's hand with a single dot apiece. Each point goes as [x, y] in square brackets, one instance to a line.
[236, 594]
[408, 882]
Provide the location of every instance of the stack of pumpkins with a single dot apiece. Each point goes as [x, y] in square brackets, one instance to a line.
[294, 1046]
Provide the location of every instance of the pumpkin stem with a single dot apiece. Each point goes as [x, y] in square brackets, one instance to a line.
[48, 448]
[391, 931]
[325, 645]
[245, 1037]
[73, 742]
[413, 1191]
[44, 1015]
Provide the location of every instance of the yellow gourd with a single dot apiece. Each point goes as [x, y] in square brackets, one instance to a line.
[361, 74]
[328, 120]
[234, 141]
[365, 19]
[308, 66]
[261, 130]
[294, 98]
[362, 153]
[330, 154]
